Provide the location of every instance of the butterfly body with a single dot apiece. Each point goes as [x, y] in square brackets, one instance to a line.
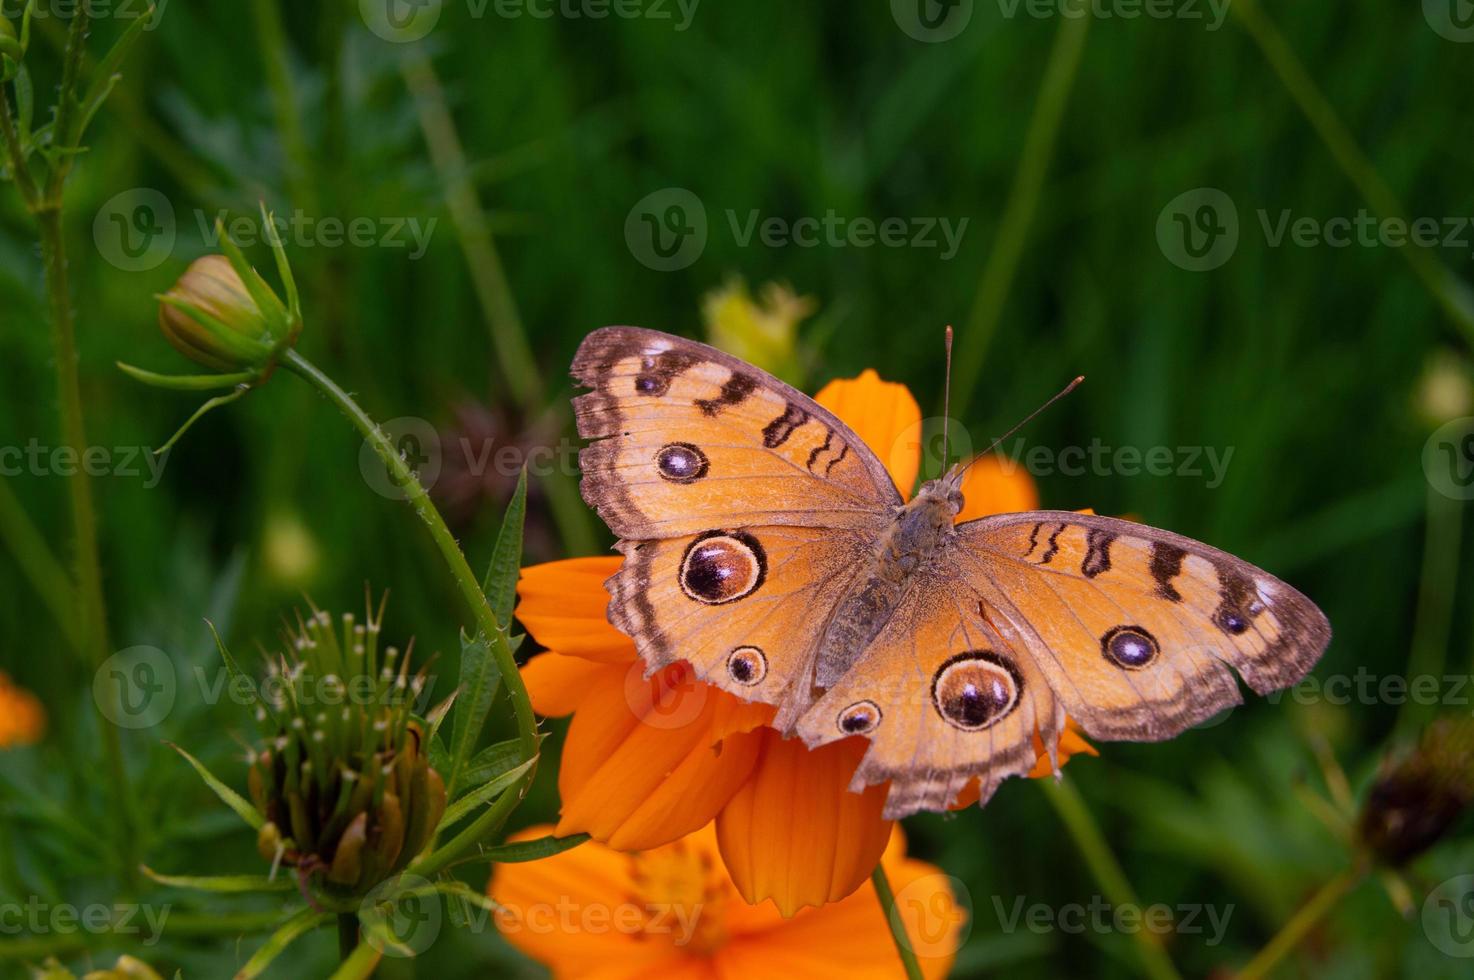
[767, 546]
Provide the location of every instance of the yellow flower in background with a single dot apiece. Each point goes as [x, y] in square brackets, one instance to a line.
[594, 913]
[22, 719]
[763, 333]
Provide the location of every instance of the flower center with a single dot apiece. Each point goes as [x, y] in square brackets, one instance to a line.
[684, 895]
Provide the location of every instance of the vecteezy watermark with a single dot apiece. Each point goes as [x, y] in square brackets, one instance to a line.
[36, 917]
[936, 912]
[98, 10]
[1199, 230]
[127, 462]
[401, 916]
[1367, 689]
[1448, 459]
[137, 230]
[1101, 917]
[1212, 12]
[427, 455]
[1453, 20]
[1207, 463]
[404, 21]
[136, 687]
[567, 916]
[932, 21]
[667, 230]
[1448, 917]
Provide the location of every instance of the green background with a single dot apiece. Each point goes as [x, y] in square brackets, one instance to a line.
[1308, 362]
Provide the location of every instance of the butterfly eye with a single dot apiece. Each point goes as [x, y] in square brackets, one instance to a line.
[859, 718]
[974, 690]
[681, 462]
[747, 666]
[1129, 647]
[722, 567]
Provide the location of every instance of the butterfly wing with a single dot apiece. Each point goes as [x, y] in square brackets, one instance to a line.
[744, 508]
[1132, 631]
[687, 438]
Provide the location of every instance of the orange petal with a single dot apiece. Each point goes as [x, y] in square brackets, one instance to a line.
[564, 607]
[651, 760]
[1071, 742]
[794, 833]
[994, 484]
[557, 684]
[571, 912]
[850, 938]
[885, 416]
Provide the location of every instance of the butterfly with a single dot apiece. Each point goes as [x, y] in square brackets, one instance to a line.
[767, 546]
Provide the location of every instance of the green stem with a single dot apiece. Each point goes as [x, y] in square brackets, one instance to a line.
[93, 610]
[489, 279]
[1107, 871]
[419, 501]
[1018, 211]
[1447, 289]
[29, 192]
[893, 919]
[1301, 923]
[347, 934]
[273, 44]
[33, 556]
[1437, 590]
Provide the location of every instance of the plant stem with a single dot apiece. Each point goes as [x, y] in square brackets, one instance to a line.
[273, 44]
[1437, 590]
[1301, 923]
[1107, 870]
[66, 104]
[493, 293]
[35, 560]
[893, 919]
[419, 501]
[29, 192]
[1447, 289]
[347, 934]
[1018, 211]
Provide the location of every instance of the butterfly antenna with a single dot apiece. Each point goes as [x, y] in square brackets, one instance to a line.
[947, 397]
[1029, 418]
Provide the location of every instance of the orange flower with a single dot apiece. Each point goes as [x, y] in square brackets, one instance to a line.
[648, 761]
[594, 913]
[22, 719]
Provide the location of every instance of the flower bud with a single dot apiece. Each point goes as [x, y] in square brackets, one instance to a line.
[343, 776]
[211, 316]
[763, 333]
[1417, 799]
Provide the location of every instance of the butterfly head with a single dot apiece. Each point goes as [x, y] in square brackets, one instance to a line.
[944, 496]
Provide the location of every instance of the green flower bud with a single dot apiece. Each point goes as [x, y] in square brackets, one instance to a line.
[343, 777]
[211, 317]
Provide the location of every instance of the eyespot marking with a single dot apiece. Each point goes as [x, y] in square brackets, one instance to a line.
[722, 566]
[1129, 647]
[747, 666]
[859, 718]
[975, 690]
[681, 462]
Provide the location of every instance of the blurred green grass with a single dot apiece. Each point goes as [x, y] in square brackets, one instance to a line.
[1306, 361]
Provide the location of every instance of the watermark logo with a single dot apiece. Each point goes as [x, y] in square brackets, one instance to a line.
[402, 916]
[936, 912]
[1448, 917]
[1212, 12]
[668, 699]
[136, 687]
[666, 230]
[98, 10]
[417, 443]
[1452, 20]
[1448, 459]
[135, 230]
[932, 21]
[1101, 917]
[400, 21]
[35, 917]
[924, 438]
[1199, 230]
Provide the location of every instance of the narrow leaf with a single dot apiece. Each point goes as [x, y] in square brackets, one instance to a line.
[360, 964]
[463, 807]
[226, 884]
[228, 796]
[304, 921]
[531, 850]
[492, 761]
[500, 584]
[478, 683]
[105, 75]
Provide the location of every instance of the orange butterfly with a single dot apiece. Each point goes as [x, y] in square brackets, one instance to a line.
[766, 544]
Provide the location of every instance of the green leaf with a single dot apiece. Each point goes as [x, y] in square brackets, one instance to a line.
[493, 760]
[25, 103]
[478, 683]
[228, 796]
[225, 884]
[304, 921]
[106, 76]
[234, 670]
[188, 382]
[500, 584]
[531, 850]
[465, 806]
